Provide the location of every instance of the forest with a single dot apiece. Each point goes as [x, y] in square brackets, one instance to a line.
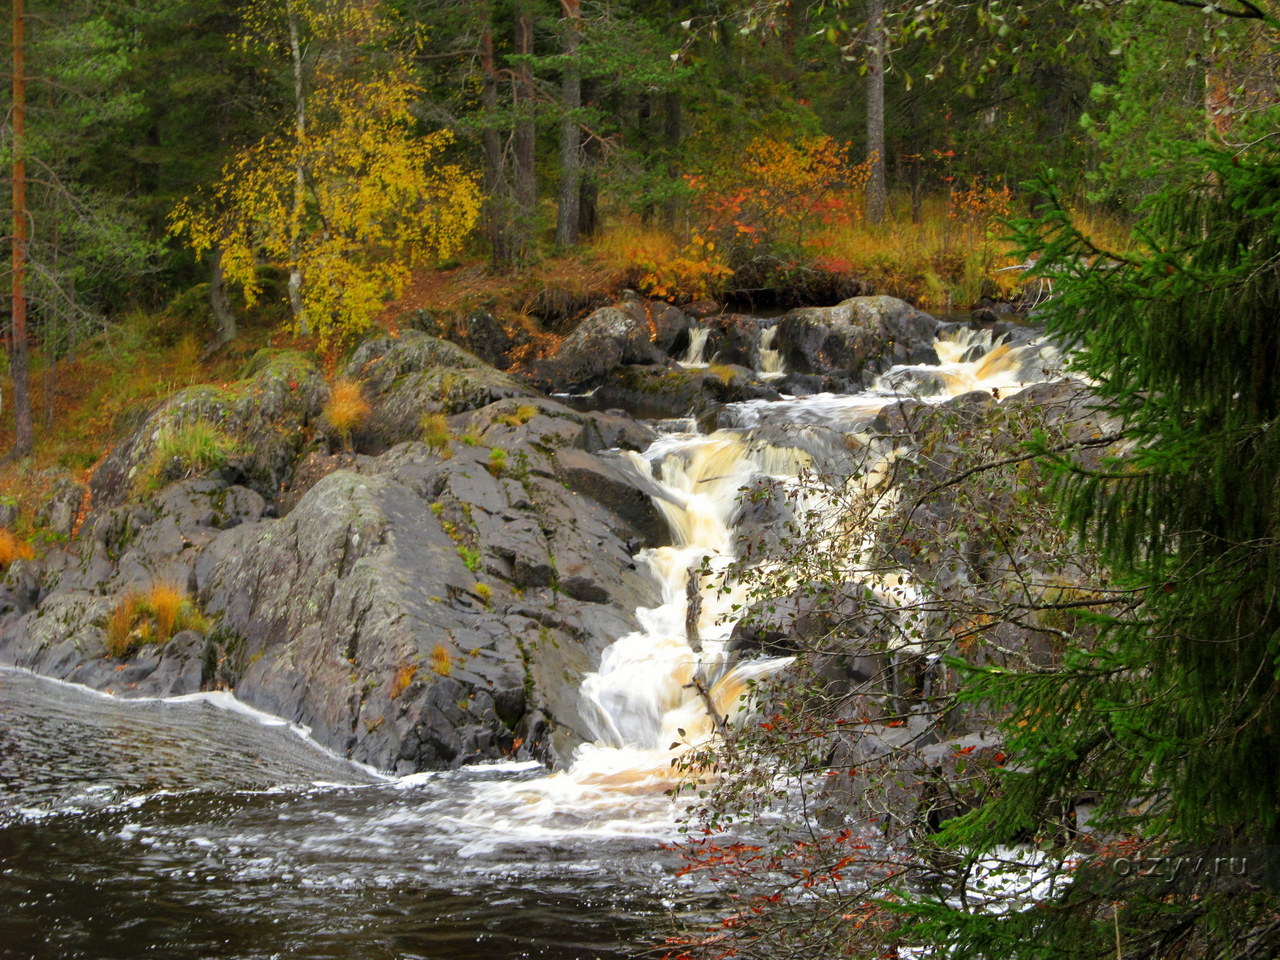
[749, 151]
[940, 338]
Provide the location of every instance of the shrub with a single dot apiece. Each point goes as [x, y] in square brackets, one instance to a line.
[346, 409]
[470, 556]
[11, 548]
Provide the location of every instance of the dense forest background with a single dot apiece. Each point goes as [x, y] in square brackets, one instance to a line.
[711, 121]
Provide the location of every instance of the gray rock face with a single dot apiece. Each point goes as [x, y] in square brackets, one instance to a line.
[414, 374]
[419, 608]
[856, 339]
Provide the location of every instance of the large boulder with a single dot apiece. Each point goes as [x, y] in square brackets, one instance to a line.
[609, 337]
[255, 427]
[856, 339]
[414, 374]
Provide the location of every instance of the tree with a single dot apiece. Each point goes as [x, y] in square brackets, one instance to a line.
[74, 238]
[1152, 701]
[877, 38]
[18, 363]
[344, 192]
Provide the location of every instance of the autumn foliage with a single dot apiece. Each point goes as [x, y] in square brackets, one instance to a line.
[756, 213]
[351, 199]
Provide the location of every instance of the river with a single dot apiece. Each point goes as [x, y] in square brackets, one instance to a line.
[198, 828]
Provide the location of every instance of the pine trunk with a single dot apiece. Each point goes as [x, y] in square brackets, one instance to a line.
[18, 362]
[877, 192]
[525, 133]
[568, 222]
[496, 189]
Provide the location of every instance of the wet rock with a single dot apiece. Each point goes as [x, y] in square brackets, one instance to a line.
[858, 338]
[609, 337]
[673, 391]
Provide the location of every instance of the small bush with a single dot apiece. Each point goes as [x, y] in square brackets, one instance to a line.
[469, 439]
[435, 431]
[151, 618]
[11, 548]
[441, 661]
[470, 556]
[346, 409]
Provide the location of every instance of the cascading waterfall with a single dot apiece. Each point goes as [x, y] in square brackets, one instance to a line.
[771, 365]
[693, 355]
[646, 689]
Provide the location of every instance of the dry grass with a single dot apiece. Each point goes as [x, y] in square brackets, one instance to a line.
[153, 617]
[435, 432]
[403, 677]
[520, 416]
[346, 408]
[441, 660]
[12, 548]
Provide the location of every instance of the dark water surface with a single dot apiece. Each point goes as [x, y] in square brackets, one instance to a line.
[187, 830]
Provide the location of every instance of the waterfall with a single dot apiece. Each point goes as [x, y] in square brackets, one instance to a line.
[693, 356]
[666, 687]
[771, 365]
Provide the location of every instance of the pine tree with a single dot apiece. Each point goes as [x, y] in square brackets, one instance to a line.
[1170, 715]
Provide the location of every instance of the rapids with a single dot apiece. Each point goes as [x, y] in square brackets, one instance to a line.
[199, 828]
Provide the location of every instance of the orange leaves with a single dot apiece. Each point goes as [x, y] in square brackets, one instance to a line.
[778, 190]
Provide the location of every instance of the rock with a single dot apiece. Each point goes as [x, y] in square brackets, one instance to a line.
[614, 488]
[61, 507]
[672, 391]
[263, 420]
[609, 337]
[406, 377]
[858, 338]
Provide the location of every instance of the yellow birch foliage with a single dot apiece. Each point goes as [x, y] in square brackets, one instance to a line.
[377, 198]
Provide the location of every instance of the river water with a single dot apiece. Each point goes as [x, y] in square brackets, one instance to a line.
[198, 828]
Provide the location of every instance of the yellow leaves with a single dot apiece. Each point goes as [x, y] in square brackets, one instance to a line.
[375, 197]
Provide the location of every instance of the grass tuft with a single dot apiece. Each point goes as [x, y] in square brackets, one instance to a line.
[346, 409]
[187, 449]
[153, 617]
[403, 677]
[435, 432]
[12, 548]
[441, 661]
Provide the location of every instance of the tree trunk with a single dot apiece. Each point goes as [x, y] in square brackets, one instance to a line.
[877, 193]
[589, 188]
[496, 189]
[222, 311]
[525, 133]
[299, 182]
[672, 134]
[18, 361]
[568, 222]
